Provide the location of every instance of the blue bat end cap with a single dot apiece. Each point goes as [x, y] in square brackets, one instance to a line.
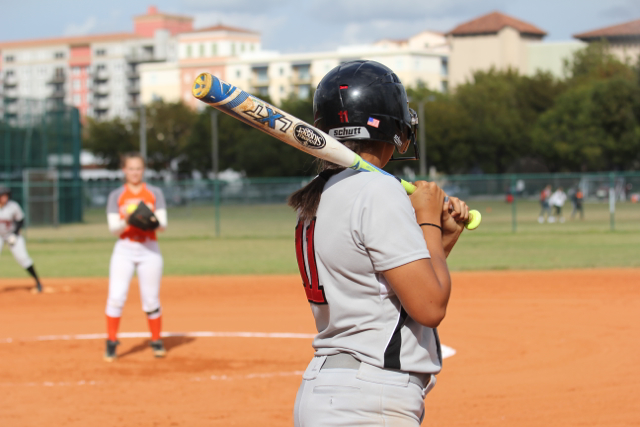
[202, 85]
[210, 89]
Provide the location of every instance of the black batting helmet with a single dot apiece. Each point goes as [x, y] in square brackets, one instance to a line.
[5, 190]
[365, 100]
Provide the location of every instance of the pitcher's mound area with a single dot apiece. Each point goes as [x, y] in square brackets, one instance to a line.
[553, 348]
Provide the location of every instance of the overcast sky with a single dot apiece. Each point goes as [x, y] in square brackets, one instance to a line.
[310, 25]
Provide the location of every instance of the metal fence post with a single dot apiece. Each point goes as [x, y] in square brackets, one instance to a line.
[215, 166]
[612, 201]
[143, 132]
[514, 221]
[422, 140]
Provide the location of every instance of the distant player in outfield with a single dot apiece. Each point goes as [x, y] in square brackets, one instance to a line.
[11, 222]
[372, 261]
[577, 198]
[545, 210]
[556, 202]
[136, 250]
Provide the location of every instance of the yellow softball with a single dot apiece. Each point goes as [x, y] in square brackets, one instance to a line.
[474, 220]
[131, 207]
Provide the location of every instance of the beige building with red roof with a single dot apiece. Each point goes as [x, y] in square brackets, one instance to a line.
[501, 42]
[624, 39]
[493, 40]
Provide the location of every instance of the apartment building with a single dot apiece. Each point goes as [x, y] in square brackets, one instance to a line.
[235, 55]
[99, 74]
[110, 75]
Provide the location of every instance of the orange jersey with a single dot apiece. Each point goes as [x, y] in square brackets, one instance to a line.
[122, 198]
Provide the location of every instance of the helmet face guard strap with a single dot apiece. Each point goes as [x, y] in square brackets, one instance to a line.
[409, 138]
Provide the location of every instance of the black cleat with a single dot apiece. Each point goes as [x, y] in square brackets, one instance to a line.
[158, 348]
[110, 352]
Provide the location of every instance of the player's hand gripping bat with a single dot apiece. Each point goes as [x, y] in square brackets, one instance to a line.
[287, 128]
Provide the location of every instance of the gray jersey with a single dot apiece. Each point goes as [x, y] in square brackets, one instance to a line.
[9, 214]
[365, 225]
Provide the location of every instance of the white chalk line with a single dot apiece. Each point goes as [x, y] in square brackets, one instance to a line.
[262, 375]
[51, 384]
[249, 376]
[197, 334]
[446, 350]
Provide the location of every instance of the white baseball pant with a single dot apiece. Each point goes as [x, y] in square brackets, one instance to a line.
[19, 251]
[366, 397]
[145, 259]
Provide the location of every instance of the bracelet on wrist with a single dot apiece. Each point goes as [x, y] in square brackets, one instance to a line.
[431, 225]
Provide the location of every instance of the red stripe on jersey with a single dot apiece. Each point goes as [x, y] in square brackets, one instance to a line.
[315, 292]
[300, 256]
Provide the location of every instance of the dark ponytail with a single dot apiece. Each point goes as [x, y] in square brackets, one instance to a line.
[307, 199]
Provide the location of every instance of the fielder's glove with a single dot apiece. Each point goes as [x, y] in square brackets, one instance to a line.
[11, 239]
[143, 218]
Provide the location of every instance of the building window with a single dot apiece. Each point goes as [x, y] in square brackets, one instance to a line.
[304, 91]
[262, 74]
[304, 72]
[101, 52]
[201, 50]
[101, 67]
[444, 86]
[444, 66]
[75, 71]
[76, 85]
[76, 100]
[238, 74]
[233, 49]
[189, 51]
[242, 47]
[252, 47]
[281, 89]
[59, 55]
[9, 73]
[9, 58]
[214, 49]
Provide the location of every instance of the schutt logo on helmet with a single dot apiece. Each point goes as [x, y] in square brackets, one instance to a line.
[308, 137]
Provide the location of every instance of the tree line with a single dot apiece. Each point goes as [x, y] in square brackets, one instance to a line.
[500, 122]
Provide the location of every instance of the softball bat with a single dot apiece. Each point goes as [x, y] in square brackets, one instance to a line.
[265, 117]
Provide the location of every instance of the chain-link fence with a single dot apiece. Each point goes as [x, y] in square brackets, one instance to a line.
[507, 202]
[36, 141]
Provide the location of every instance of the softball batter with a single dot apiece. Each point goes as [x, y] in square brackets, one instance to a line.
[136, 250]
[11, 222]
[372, 261]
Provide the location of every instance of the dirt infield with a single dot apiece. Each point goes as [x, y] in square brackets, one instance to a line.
[555, 348]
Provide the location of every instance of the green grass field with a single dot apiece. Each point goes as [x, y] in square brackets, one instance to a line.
[258, 239]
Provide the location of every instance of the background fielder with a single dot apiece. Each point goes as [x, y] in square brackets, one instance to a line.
[11, 222]
[136, 250]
